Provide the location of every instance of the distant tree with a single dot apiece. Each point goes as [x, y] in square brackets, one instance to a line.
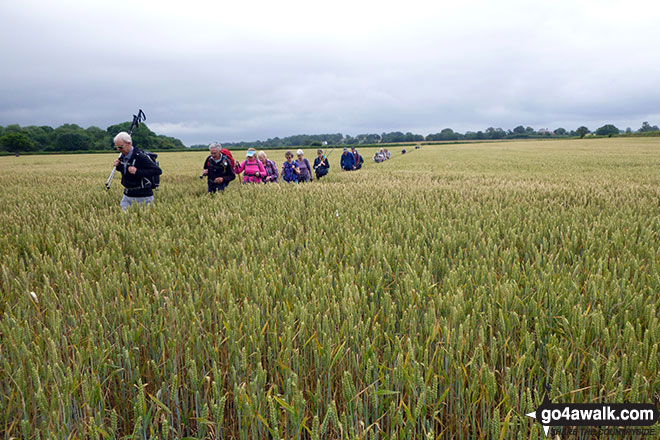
[582, 131]
[99, 138]
[647, 127]
[395, 136]
[530, 131]
[350, 140]
[607, 130]
[519, 130]
[13, 128]
[495, 133]
[561, 132]
[72, 142]
[16, 142]
[70, 127]
[38, 136]
[448, 134]
[628, 130]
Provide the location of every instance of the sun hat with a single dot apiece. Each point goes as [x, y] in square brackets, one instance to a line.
[250, 152]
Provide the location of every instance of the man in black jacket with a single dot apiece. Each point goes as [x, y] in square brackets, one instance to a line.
[218, 168]
[136, 169]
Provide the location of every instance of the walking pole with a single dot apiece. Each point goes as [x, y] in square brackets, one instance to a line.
[136, 121]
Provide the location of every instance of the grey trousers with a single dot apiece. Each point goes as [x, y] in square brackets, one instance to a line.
[128, 201]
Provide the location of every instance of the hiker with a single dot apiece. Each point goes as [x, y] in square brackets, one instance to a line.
[218, 168]
[289, 169]
[269, 166]
[357, 158]
[379, 156]
[305, 169]
[253, 170]
[138, 171]
[347, 161]
[321, 164]
[387, 154]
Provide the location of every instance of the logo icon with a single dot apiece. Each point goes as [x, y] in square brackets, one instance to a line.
[593, 414]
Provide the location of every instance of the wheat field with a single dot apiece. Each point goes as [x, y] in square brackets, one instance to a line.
[426, 297]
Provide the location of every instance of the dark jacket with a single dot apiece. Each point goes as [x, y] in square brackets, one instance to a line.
[137, 185]
[222, 168]
[347, 161]
[321, 166]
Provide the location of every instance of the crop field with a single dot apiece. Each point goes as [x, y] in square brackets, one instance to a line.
[426, 297]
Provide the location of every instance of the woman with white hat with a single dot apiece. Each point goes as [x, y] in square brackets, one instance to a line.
[252, 168]
[305, 174]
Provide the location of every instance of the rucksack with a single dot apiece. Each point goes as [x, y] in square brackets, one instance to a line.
[289, 175]
[154, 181]
[227, 153]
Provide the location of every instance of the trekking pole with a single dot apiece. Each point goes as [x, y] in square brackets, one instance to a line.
[325, 156]
[136, 121]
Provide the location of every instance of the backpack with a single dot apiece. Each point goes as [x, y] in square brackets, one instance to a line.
[153, 181]
[289, 175]
[227, 153]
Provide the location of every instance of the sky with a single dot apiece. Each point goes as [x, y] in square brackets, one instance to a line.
[246, 70]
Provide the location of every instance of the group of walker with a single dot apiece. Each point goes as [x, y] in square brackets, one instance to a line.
[140, 171]
[382, 155]
[221, 168]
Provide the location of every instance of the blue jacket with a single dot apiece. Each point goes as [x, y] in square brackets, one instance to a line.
[347, 161]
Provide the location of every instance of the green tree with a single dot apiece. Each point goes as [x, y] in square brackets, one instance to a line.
[582, 131]
[13, 128]
[16, 142]
[607, 130]
[647, 127]
[448, 134]
[495, 133]
[561, 132]
[38, 136]
[72, 142]
[519, 130]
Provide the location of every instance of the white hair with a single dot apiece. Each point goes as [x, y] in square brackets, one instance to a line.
[215, 145]
[300, 152]
[124, 137]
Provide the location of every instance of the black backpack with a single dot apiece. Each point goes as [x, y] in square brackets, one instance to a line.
[153, 182]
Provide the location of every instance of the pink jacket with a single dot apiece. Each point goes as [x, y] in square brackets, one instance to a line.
[251, 167]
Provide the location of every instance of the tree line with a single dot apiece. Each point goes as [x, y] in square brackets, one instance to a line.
[519, 132]
[72, 137]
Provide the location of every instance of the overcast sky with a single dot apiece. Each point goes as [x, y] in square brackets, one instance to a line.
[247, 70]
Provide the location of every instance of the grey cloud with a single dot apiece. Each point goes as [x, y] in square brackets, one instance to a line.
[230, 75]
